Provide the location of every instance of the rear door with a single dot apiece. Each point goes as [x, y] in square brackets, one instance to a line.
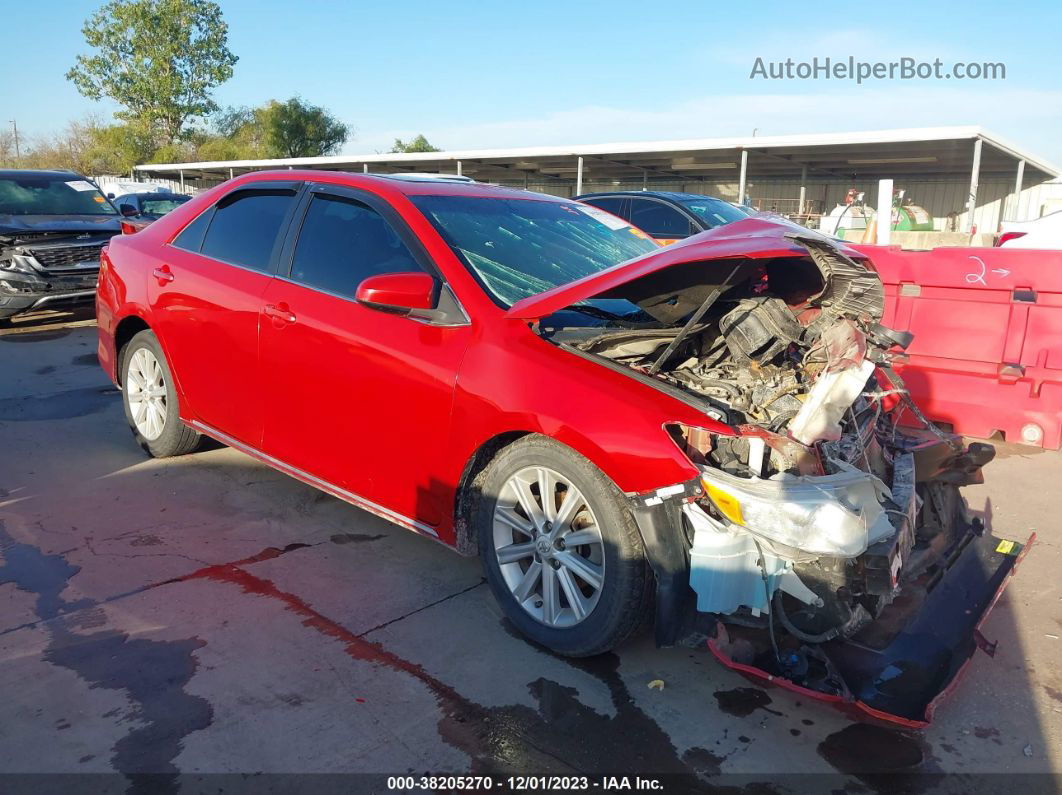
[659, 220]
[358, 397]
[206, 299]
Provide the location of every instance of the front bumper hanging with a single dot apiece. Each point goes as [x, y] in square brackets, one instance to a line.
[898, 668]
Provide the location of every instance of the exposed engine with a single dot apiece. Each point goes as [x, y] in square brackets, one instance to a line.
[791, 350]
[818, 509]
[811, 508]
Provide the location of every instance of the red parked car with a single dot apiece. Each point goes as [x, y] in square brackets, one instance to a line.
[705, 434]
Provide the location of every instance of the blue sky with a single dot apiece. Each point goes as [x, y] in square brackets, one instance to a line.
[477, 74]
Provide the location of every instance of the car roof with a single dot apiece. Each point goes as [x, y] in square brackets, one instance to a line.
[386, 183]
[667, 195]
[15, 173]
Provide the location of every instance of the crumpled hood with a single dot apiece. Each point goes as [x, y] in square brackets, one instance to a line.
[30, 224]
[753, 238]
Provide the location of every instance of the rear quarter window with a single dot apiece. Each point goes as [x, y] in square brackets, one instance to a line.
[191, 237]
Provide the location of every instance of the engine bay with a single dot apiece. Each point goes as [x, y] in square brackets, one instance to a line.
[820, 508]
[788, 348]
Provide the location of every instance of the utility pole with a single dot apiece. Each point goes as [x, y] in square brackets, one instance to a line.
[18, 155]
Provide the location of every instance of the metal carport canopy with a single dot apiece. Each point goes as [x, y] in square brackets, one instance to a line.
[935, 151]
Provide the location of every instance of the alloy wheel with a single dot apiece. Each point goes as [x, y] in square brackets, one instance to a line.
[145, 389]
[549, 547]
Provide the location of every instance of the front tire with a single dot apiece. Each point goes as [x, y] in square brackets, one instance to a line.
[150, 399]
[561, 551]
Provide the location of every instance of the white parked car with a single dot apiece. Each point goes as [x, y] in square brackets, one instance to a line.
[112, 188]
[1042, 232]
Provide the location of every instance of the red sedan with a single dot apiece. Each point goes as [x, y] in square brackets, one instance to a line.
[710, 429]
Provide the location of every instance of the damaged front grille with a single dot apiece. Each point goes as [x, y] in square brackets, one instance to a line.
[60, 258]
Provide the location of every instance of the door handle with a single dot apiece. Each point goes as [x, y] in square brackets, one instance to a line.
[162, 274]
[280, 312]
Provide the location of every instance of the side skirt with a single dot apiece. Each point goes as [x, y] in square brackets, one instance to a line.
[312, 480]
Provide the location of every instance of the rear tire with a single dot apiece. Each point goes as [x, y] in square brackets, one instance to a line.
[599, 582]
[150, 400]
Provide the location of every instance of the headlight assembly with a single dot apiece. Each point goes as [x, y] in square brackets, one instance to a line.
[825, 515]
[17, 263]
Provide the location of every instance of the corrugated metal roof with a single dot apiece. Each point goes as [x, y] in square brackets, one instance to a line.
[880, 151]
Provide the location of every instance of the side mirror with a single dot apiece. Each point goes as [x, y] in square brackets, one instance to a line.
[127, 210]
[401, 292]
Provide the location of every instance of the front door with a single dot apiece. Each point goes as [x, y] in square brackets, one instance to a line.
[357, 397]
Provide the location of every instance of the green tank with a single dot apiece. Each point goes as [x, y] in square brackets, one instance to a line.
[911, 218]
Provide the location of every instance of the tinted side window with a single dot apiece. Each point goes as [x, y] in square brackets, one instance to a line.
[342, 242]
[191, 237]
[658, 219]
[245, 226]
[610, 204]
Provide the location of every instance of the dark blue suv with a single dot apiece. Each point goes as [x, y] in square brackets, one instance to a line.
[666, 216]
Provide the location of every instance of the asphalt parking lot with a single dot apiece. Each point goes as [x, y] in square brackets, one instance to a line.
[209, 615]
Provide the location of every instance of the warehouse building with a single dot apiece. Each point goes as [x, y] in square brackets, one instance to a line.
[967, 179]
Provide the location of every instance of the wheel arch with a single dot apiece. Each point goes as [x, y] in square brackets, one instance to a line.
[467, 493]
[127, 328]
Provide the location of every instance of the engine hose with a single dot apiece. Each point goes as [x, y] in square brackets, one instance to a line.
[767, 591]
[822, 637]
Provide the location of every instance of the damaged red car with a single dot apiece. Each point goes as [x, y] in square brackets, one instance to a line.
[708, 435]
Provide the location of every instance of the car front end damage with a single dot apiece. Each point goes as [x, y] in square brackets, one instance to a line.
[824, 545]
[39, 269]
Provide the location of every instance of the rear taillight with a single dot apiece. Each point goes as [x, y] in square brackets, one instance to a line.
[128, 228]
[1003, 238]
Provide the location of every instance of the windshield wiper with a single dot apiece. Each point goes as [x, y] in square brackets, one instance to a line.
[604, 314]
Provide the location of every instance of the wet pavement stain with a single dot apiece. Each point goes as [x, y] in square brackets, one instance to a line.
[48, 368]
[35, 336]
[561, 736]
[703, 761]
[34, 572]
[987, 733]
[355, 538]
[59, 405]
[885, 760]
[269, 553]
[152, 673]
[86, 359]
[743, 701]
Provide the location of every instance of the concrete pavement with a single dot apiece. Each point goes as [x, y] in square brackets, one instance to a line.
[209, 615]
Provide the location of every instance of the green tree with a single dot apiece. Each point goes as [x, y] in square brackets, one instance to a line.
[418, 144]
[116, 148]
[293, 128]
[297, 129]
[89, 146]
[159, 59]
[232, 134]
